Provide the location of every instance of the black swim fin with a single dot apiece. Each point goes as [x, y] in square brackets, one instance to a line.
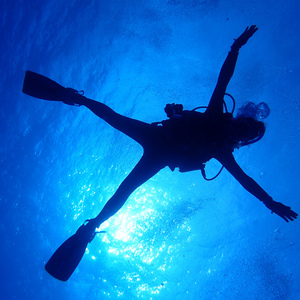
[66, 258]
[42, 87]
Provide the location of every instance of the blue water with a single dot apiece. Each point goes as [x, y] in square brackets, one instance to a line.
[177, 237]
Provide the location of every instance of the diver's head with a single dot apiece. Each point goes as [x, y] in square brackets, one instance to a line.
[245, 131]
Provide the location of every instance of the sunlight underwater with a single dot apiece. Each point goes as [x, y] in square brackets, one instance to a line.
[177, 237]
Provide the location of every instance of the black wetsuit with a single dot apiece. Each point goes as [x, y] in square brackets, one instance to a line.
[186, 143]
[187, 151]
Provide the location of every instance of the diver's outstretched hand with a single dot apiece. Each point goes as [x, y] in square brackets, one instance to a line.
[282, 211]
[244, 37]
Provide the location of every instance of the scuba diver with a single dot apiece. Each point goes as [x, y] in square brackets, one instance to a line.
[187, 140]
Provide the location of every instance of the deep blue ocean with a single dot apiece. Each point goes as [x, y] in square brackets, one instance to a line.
[178, 236]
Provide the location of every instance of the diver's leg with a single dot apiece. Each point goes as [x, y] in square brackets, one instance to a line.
[137, 130]
[144, 170]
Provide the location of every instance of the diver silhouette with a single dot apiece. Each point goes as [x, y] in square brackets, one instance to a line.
[187, 140]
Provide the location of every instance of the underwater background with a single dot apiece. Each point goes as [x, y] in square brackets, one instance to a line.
[178, 236]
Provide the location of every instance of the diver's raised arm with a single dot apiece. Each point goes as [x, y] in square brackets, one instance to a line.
[215, 106]
[228, 161]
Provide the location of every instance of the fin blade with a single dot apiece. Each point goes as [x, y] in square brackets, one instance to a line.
[66, 258]
[42, 87]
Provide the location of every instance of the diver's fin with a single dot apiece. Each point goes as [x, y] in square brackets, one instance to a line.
[41, 87]
[66, 258]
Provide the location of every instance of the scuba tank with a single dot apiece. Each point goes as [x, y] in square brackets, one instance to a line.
[175, 114]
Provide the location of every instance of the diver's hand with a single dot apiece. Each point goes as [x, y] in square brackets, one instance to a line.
[281, 210]
[243, 38]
